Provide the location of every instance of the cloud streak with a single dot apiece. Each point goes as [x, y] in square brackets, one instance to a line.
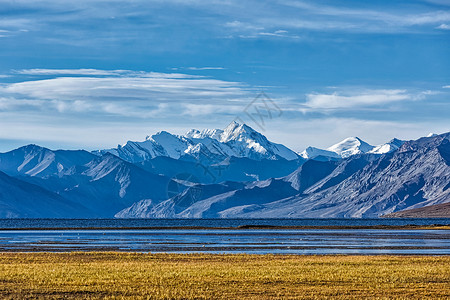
[122, 92]
[361, 99]
[260, 20]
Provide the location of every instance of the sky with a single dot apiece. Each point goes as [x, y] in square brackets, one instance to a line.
[94, 74]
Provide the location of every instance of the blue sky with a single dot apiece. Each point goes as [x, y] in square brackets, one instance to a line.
[93, 74]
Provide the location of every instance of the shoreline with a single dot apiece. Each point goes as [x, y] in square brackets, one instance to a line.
[241, 227]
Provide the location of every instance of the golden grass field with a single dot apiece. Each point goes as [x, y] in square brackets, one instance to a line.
[209, 276]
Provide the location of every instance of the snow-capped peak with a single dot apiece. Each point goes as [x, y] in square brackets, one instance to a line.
[237, 140]
[392, 145]
[236, 131]
[431, 134]
[350, 146]
[174, 145]
[312, 152]
[206, 133]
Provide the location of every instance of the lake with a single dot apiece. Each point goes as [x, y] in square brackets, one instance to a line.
[69, 235]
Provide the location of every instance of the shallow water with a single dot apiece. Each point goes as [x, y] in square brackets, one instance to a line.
[317, 241]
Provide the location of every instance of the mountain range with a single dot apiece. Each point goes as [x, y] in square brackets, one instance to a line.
[232, 173]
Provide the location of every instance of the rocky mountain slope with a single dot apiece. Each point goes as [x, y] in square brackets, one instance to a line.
[19, 199]
[103, 185]
[364, 185]
[228, 173]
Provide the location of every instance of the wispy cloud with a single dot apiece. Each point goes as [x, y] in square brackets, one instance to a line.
[361, 99]
[96, 72]
[300, 16]
[372, 18]
[205, 68]
[141, 20]
[444, 27]
[120, 92]
[280, 34]
[4, 33]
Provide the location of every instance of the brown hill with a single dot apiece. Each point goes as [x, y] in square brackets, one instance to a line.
[432, 211]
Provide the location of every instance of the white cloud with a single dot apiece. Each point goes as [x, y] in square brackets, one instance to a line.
[97, 72]
[367, 98]
[279, 33]
[92, 72]
[122, 93]
[446, 87]
[205, 68]
[444, 26]
[239, 26]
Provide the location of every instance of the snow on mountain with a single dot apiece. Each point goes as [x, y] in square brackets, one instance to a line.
[134, 151]
[173, 145]
[360, 186]
[388, 147]
[250, 143]
[238, 140]
[350, 146]
[416, 175]
[33, 160]
[312, 152]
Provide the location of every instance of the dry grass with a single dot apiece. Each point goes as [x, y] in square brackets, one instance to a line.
[187, 276]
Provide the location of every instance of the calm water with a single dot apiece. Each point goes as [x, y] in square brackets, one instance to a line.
[283, 241]
[118, 223]
[232, 241]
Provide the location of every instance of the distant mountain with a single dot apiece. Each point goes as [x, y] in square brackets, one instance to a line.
[211, 201]
[230, 169]
[19, 199]
[416, 175]
[207, 146]
[312, 153]
[362, 185]
[109, 184]
[172, 207]
[389, 147]
[348, 147]
[33, 160]
[103, 185]
[231, 173]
